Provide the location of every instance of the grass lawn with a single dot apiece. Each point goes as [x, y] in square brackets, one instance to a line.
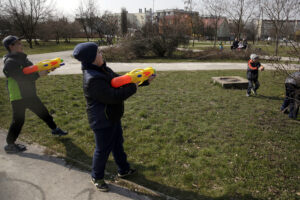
[187, 137]
[283, 50]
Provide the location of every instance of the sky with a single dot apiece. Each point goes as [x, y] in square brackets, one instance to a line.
[69, 6]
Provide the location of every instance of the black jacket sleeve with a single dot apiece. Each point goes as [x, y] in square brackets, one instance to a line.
[13, 69]
[145, 83]
[103, 92]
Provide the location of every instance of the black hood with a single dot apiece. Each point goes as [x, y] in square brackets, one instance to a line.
[15, 56]
[94, 67]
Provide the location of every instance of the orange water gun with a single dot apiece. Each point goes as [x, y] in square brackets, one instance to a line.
[135, 76]
[44, 65]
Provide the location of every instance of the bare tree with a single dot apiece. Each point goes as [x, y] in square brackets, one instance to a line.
[240, 11]
[73, 30]
[26, 14]
[252, 29]
[6, 26]
[87, 13]
[279, 12]
[198, 27]
[107, 26]
[124, 22]
[215, 9]
[190, 6]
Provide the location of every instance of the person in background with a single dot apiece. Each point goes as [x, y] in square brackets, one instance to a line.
[221, 46]
[240, 45]
[235, 44]
[292, 92]
[252, 74]
[245, 43]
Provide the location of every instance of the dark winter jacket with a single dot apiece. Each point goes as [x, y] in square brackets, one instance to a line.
[294, 79]
[252, 70]
[19, 85]
[235, 44]
[105, 104]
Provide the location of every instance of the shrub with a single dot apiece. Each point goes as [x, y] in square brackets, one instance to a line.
[139, 46]
[163, 45]
[158, 46]
[118, 53]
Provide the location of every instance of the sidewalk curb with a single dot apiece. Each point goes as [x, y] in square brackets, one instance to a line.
[134, 187]
[118, 181]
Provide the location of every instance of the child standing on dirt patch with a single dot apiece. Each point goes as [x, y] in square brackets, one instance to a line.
[252, 74]
[105, 108]
[22, 93]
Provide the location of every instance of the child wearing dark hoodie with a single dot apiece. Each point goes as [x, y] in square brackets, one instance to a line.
[22, 93]
[105, 108]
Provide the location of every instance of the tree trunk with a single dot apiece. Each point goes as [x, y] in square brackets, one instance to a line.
[57, 39]
[276, 45]
[216, 36]
[193, 40]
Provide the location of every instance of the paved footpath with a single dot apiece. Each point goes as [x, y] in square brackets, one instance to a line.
[31, 175]
[73, 66]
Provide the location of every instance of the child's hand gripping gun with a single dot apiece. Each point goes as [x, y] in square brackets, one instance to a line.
[44, 65]
[135, 76]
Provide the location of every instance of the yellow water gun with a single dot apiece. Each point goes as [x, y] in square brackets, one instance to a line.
[135, 76]
[44, 65]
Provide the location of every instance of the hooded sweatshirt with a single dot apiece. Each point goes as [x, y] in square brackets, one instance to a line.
[19, 85]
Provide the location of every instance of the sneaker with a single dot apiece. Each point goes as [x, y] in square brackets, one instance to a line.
[247, 95]
[100, 185]
[127, 173]
[14, 148]
[59, 132]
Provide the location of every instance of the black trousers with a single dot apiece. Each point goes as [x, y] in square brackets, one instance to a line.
[109, 140]
[19, 107]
